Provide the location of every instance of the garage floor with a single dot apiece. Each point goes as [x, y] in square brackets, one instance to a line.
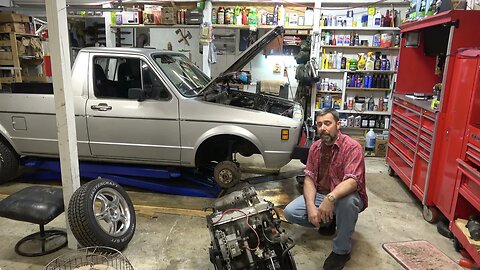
[173, 241]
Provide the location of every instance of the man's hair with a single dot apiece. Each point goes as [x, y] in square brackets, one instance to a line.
[325, 111]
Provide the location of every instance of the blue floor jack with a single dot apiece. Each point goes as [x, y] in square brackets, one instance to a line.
[171, 180]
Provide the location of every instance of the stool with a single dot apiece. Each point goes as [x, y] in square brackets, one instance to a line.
[38, 205]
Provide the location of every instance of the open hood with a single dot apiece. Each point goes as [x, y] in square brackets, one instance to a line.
[249, 54]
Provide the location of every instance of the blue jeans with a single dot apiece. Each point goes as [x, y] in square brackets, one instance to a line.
[346, 211]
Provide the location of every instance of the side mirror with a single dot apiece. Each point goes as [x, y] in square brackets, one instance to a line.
[136, 93]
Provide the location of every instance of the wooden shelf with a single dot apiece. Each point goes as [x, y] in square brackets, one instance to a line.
[20, 34]
[332, 70]
[288, 27]
[368, 89]
[373, 71]
[360, 47]
[340, 28]
[357, 71]
[364, 112]
[364, 128]
[156, 26]
[330, 92]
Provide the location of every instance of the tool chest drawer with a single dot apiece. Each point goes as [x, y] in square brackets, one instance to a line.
[407, 113]
[469, 182]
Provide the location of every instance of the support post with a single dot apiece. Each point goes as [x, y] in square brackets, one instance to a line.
[64, 105]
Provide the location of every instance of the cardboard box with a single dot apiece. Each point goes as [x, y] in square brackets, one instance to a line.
[168, 15]
[381, 148]
[131, 17]
[152, 14]
[12, 17]
[13, 27]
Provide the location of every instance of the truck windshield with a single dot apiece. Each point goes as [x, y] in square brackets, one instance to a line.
[188, 79]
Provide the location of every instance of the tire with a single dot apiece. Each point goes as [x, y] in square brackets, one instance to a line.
[9, 162]
[226, 174]
[100, 213]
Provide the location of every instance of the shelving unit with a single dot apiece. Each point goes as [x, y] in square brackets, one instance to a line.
[12, 63]
[342, 77]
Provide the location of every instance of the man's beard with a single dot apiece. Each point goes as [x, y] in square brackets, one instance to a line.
[327, 138]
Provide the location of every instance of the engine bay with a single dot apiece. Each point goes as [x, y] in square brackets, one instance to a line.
[224, 94]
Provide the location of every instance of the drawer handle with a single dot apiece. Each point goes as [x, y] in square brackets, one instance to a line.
[401, 156]
[470, 154]
[408, 109]
[469, 145]
[471, 171]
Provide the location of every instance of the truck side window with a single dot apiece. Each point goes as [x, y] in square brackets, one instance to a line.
[152, 85]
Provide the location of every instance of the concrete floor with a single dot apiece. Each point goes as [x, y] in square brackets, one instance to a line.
[168, 241]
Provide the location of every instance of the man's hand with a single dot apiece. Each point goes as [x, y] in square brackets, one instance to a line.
[325, 211]
[313, 216]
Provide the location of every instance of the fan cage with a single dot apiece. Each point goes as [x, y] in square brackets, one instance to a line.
[91, 256]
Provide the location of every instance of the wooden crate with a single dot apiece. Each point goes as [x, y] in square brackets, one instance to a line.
[381, 148]
[12, 17]
[12, 27]
[6, 56]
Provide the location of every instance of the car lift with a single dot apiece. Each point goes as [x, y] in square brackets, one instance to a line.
[170, 180]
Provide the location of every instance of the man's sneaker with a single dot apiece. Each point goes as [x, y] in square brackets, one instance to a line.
[336, 261]
[330, 229]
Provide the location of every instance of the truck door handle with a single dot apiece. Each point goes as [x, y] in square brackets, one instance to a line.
[101, 107]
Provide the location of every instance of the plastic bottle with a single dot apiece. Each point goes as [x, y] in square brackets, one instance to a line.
[377, 39]
[221, 15]
[371, 103]
[344, 63]
[324, 60]
[357, 40]
[214, 16]
[370, 140]
[378, 61]
[387, 64]
[328, 102]
[383, 63]
[377, 20]
[339, 60]
[275, 14]
[281, 16]
[369, 64]
[361, 62]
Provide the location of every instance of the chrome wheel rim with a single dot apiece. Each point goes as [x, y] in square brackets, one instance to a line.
[111, 211]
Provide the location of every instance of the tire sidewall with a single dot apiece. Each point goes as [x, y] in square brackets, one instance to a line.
[118, 242]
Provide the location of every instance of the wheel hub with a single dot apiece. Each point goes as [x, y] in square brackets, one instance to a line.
[226, 176]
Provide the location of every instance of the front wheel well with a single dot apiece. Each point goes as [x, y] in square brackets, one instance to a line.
[216, 148]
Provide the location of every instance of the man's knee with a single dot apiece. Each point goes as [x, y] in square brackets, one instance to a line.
[349, 203]
[288, 212]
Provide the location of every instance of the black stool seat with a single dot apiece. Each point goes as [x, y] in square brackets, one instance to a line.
[38, 205]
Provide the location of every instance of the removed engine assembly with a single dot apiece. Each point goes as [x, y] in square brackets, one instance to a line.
[246, 235]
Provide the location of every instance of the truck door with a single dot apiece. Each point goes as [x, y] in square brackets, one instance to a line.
[131, 115]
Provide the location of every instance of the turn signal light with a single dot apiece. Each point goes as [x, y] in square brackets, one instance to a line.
[285, 133]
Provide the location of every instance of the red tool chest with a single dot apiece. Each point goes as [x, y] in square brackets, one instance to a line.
[466, 201]
[425, 143]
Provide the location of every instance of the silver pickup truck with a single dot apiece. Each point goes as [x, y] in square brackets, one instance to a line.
[154, 107]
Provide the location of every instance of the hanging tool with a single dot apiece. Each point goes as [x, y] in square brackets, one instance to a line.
[184, 37]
